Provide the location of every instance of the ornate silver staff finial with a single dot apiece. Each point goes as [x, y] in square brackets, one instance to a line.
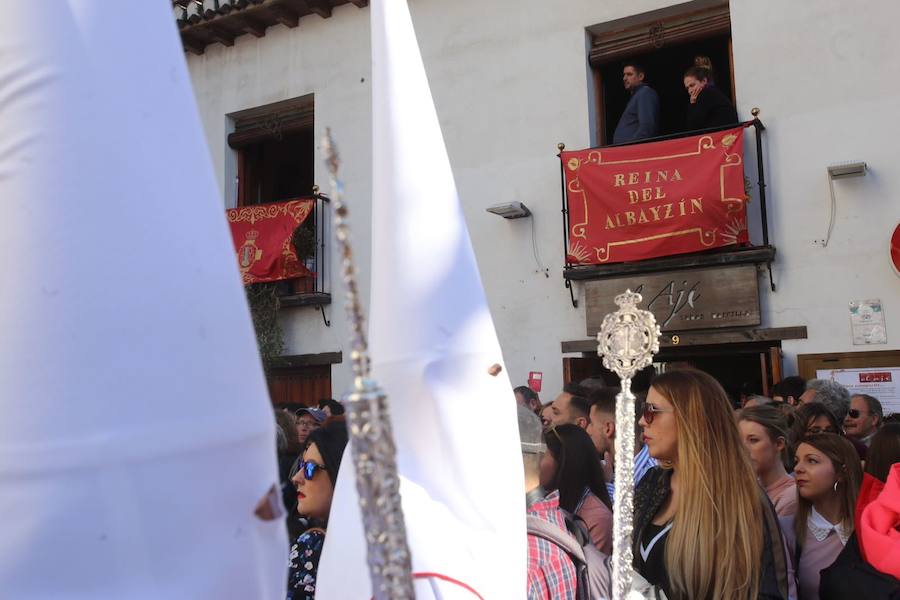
[371, 437]
[628, 339]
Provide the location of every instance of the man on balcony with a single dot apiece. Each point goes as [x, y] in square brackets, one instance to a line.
[641, 117]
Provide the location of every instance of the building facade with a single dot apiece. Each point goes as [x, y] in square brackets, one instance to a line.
[512, 80]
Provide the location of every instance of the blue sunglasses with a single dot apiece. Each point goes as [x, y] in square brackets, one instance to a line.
[309, 469]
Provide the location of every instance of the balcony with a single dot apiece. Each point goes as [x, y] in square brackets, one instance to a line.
[725, 256]
[314, 290]
[205, 22]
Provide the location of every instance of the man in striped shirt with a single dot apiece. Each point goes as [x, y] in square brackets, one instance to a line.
[602, 429]
[551, 572]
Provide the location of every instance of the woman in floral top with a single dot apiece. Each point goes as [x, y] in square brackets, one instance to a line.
[315, 480]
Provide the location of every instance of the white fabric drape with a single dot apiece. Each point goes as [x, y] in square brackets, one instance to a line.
[432, 341]
[136, 435]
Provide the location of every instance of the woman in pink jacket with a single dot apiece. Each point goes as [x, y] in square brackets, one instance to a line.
[764, 433]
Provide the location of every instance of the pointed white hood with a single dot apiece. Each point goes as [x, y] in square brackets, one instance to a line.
[432, 342]
[136, 434]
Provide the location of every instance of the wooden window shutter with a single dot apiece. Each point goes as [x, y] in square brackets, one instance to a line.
[272, 121]
[655, 33]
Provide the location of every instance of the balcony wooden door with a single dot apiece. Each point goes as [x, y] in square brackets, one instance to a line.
[299, 386]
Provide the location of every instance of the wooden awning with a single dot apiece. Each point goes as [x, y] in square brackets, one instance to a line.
[205, 22]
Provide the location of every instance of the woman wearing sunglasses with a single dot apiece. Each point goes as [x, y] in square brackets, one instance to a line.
[703, 527]
[572, 467]
[315, 480]
[810, 419]
[764, 432]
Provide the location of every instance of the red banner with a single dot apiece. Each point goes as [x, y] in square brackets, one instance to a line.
[656, 199]
[262, 238]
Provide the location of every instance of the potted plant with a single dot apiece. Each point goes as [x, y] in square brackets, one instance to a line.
[304, 241]
[264, 304]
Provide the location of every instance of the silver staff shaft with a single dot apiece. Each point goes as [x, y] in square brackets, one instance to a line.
[371, 437]
[623, 505]
[628, 339]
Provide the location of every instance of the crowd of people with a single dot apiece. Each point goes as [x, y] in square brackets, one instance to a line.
[793, 496]
[789, 496]
[311, 443]
[708, 107]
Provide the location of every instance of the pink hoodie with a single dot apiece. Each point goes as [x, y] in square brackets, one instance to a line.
[879, 527]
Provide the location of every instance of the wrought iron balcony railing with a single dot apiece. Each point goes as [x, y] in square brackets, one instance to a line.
[758, 254]
[314, 290]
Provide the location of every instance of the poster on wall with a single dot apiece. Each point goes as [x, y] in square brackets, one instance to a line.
[535, 379]
[867, 322]
[881, 382]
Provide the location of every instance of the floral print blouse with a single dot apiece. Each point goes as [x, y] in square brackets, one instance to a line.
[303, 564]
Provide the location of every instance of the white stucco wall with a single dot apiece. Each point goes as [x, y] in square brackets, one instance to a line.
[327, 57]
[825, 75]
[510, 81]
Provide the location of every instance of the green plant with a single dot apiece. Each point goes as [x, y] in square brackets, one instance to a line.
[304, 241]
[264, 304]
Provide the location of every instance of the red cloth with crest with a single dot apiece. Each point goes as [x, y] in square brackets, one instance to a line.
[262, 238]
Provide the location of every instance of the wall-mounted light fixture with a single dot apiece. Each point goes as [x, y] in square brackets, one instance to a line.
[849, 169]
[517, 210]
[510, 210]
[839, 171]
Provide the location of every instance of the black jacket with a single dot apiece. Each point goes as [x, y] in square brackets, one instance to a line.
[712, 109]
[651, 494]
[849, 575]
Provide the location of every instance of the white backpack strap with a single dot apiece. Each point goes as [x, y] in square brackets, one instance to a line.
[552, 533]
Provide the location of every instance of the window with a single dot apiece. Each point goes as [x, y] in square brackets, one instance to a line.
[275, 147]
[666, 45]
[274, 151]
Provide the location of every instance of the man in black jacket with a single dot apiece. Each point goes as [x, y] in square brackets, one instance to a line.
[640, 120]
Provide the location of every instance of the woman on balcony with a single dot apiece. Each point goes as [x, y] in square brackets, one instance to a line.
[709, 107]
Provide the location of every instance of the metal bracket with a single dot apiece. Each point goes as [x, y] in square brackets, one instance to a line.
[327, 322]
[572, 294]
[771, 280]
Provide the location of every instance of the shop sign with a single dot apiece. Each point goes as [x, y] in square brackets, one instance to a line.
[683, 300]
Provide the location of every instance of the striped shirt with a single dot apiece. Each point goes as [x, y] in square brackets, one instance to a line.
[643, 462]
[551, 573]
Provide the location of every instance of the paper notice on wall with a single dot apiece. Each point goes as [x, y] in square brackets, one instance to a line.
[880, 382]
[867, 322]
[535, 379]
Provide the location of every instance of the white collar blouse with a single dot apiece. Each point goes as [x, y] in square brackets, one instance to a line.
[821, 528]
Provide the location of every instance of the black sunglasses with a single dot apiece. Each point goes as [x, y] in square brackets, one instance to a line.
[817, 430]
[309, 469]
[854, 413]
[650, 411]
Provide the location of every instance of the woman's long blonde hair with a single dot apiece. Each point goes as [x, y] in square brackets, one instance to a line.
[715, 546]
